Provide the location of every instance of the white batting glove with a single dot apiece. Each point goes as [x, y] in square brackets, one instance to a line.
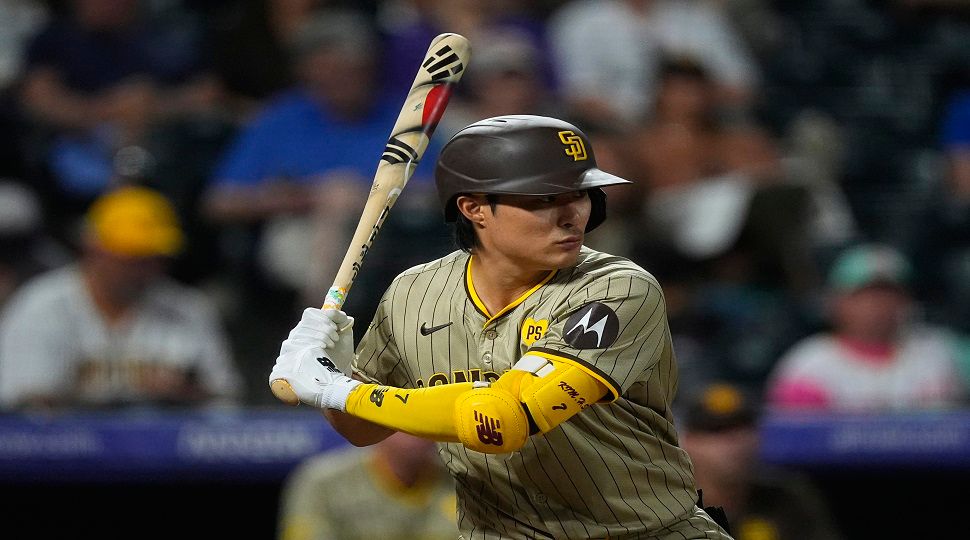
[310, 356]
[323, 328]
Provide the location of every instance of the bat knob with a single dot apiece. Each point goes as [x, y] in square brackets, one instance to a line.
[444, 36]
[284, 392]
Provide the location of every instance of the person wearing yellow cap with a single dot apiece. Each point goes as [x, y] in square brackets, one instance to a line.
[113, 329]
[719, 430]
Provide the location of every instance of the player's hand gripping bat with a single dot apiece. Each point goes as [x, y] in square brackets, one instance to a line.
[442, 67]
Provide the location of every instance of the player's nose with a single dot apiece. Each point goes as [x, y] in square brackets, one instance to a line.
[574, 213]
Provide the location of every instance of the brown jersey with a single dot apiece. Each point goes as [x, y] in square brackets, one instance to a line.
[354, 495]
[615, 469]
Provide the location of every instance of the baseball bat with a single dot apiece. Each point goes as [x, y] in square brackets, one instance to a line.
[441, 69]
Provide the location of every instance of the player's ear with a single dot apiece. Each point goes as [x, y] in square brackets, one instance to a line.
[472, 207]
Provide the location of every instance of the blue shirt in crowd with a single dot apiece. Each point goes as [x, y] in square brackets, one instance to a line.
[956, 123]
[298, 140]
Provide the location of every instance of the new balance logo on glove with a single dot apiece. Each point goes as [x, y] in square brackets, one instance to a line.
[325, 362]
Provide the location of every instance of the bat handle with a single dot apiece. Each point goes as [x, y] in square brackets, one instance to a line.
[282, 389]
[284, 392]
[336, 297]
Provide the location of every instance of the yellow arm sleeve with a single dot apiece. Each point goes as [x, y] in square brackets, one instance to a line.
[540, 392]
[424, 412]
[484, 419]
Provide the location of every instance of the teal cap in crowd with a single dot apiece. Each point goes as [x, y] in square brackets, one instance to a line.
[869, 264]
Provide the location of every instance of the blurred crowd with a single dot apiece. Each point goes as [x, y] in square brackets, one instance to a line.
[179, 178]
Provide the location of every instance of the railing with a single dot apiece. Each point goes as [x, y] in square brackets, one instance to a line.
[264, 444]
[170, 445]
[936, 439]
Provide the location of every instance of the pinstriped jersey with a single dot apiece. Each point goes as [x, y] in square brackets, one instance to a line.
[353, 494]
[615, 469]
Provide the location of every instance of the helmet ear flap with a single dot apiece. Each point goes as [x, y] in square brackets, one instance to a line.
[451, 209]
[597, 212]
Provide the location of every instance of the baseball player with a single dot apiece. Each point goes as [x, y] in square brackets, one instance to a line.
[543, 368]
[402, 476]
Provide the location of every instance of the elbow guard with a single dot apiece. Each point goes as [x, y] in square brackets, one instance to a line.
[540, 392]
[491, 420]
[554, 389]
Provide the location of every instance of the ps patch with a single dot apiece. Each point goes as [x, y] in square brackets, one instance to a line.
[533, 330]
[593, 326]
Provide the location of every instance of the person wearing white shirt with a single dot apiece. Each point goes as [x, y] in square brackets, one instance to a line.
[876, 358]
[112, 329]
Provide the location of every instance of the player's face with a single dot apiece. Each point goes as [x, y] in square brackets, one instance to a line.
[537, 232]
[876, 312]
[125, 279]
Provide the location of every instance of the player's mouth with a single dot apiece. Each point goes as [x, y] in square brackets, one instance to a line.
[570, 243]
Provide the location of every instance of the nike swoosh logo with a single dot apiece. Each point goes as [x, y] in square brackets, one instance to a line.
[425, 331]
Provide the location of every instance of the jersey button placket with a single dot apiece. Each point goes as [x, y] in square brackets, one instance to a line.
[488, 343]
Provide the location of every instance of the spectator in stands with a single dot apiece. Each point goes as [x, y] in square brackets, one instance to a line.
[98, 80]
[394, 490]
[608, 53]
[720, 433]
[111, 329]
[719, 228]
[876, 357]
[703, 173]
[304, 166]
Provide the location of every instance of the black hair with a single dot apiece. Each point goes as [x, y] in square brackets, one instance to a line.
[682, 66]
[465, 236]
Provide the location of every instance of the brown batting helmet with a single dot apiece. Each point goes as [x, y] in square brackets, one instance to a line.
[521, 155]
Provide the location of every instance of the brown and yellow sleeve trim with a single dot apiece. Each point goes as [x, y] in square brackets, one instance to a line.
[598, 374]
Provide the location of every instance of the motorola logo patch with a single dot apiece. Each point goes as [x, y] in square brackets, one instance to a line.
[593, 326]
